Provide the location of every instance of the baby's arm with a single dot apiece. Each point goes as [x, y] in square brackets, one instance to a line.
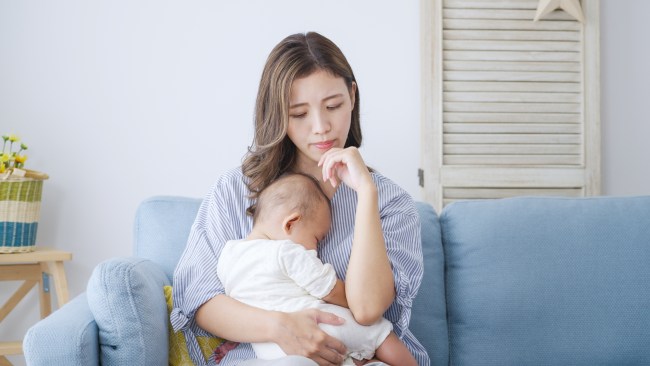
[310, 273]
[337, 295]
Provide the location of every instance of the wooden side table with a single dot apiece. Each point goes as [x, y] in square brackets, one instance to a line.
[32, 268]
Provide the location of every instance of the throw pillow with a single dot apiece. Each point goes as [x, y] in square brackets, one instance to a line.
[178, 354]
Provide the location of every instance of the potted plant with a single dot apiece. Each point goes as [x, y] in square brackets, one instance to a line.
[20, 198]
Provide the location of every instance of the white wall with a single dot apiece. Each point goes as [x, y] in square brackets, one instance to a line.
[121, 100]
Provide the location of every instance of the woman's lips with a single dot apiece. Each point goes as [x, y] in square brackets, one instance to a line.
[324, 145]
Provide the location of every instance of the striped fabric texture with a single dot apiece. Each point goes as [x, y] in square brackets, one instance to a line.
[222, 217]
[20, 207]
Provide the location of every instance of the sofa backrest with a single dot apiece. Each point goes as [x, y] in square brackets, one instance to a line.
[548, 281]
[162, 226]
[429, 315]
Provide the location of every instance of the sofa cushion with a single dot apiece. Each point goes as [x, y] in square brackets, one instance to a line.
[125, 295]
[428, 315]
[548, 281]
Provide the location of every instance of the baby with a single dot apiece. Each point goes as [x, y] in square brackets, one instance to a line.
[276, 268]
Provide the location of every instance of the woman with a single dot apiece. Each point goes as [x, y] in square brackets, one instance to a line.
[306, 120]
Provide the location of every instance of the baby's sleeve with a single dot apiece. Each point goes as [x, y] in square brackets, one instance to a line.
[306, 269]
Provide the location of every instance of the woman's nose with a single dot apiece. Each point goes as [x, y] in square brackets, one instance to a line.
[321, 124]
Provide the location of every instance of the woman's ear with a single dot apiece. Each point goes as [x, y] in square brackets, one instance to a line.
[353, 93]
[289, 222]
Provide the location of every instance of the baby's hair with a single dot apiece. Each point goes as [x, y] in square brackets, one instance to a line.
[297, 191]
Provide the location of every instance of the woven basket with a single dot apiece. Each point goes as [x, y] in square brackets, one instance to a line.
[20, 208]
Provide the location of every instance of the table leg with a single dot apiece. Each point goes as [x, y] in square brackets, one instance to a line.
[4, 361]
[60, 282]
[44, 293]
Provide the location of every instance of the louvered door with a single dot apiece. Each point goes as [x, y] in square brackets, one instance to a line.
[510, 106]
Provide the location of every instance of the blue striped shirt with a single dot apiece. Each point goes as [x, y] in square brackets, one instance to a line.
[222, 217]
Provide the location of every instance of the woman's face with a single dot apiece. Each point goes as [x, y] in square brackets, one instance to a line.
[320, 112]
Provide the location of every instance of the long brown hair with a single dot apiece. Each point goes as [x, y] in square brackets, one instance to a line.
[299, 55]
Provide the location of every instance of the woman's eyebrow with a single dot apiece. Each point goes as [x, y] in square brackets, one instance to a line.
[332, 97]
[297, 105]
[324, 100]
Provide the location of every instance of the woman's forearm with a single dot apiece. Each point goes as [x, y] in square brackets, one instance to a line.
[230, 319]
[369, 283]
[296, 333]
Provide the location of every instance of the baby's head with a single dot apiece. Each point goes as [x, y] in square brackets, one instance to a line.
[293, 207]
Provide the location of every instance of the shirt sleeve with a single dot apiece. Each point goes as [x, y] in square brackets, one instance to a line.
[401, 228]
[195, 277]
[306, 269]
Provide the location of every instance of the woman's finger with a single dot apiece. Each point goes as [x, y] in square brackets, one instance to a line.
[326, 162]
[330, 351]
[330, 357]
[327, 154]
[334, 174]
[337, 350]
[332, 162]
[328, 318]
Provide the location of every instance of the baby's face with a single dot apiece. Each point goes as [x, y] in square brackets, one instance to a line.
[310, 230]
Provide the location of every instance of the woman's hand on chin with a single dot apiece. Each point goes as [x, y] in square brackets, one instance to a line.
[298, 334]
[347, 166]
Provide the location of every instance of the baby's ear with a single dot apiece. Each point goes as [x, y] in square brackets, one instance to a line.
[289, 221]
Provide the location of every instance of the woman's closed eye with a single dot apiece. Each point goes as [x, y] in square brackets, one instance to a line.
[298, 115]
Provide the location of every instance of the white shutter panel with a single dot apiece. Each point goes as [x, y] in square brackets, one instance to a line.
[510, 105]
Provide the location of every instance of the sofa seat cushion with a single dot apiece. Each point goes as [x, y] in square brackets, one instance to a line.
[548, 281]
[127, 300]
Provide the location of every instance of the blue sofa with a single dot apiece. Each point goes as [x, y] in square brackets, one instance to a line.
[520, 281]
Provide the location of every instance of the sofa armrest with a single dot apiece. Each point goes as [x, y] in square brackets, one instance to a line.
[69, 336]
[126, 298]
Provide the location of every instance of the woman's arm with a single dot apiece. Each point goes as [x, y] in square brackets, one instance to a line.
[369, 283]
[222, 316]
[369, 278]
[296, 333]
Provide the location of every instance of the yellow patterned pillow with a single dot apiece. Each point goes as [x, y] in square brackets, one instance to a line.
[178, 354]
